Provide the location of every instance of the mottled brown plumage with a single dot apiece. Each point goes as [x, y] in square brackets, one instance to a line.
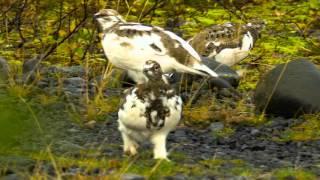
[213, 40]
[150, 111]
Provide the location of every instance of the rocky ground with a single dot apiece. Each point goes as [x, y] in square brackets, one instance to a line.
[195, 153]
[258, 147]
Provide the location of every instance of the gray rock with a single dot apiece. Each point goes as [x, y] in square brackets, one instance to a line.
[130, 176]
[315, 33]
[31, 64]
[297, 90]
[42, 84]
[228, 75]
[75, 170]
[255, 131]
[180, 134]
[95, 171]
[73, 130]
[216, 126]
[74, 87]
[66, 146]
[12, 177]
[29, 68]
[238, 178]
[74, 81]
[176, 177]
[74, 91]
[72, 71]
[48, 169]
[207, 178]
[4, 69]
[117, 78]
[224, 71]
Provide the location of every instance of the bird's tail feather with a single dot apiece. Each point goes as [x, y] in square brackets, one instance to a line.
[183, 68]
[204, 69]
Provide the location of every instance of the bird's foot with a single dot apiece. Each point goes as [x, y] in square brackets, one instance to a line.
[162, 159]
[130, 150]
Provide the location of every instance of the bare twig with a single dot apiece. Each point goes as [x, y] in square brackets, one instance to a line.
[53, 47]
[56, 33]
[19, 22]
[155, 6]
[233, 12]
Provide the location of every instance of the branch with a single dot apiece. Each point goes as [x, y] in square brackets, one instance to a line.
[54, 46]
[19, 22]
[155, 6]
[231, 11]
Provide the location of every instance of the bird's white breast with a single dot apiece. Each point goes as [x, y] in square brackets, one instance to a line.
[133, 120]
[231, 56]
[247, 41]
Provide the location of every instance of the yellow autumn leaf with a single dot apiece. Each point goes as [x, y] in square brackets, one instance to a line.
[62, 33]
[73, 25]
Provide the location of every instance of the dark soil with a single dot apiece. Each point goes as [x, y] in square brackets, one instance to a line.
[255, 145]
[252, 144]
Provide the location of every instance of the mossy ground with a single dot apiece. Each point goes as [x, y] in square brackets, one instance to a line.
[39, 149]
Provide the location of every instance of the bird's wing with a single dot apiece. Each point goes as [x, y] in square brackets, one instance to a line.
[212, 40]
[160, 41]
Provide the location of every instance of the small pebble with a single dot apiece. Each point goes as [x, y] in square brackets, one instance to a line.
[130, 176]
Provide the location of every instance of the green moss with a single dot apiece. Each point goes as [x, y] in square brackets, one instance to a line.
[235, 167]
[225, 132]
[153, 169]
[308, 130]
[298, 173]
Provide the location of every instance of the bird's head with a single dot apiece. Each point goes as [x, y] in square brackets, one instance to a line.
[152, 70]
[108, 18]
[257, 24]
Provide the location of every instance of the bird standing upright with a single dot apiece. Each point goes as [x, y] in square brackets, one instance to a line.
[129, 45]
[149, 112]
[227, 43]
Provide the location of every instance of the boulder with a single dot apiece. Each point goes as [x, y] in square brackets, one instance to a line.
[289, 90]
[69, 71]
[4, 69]
[224, 71]
[30, 67]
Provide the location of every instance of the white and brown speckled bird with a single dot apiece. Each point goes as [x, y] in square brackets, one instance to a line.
[129, 45]
[149, 112]
[227, 43]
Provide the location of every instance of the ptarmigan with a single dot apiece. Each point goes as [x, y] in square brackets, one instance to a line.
[129, 45]
[149, 112]
[227, 43]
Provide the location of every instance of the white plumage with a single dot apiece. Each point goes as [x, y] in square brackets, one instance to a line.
[130, 45]
[149, 112]
[227, 43]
